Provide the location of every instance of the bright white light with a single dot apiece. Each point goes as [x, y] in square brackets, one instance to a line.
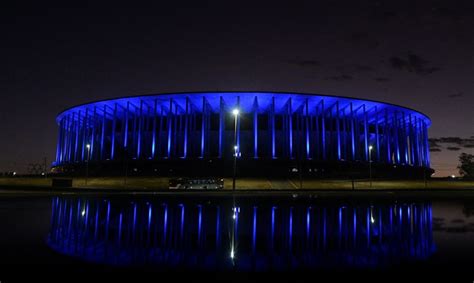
[232, 253]
[236, 147]
[372, 219]
[235, 111]
[370, 147]
[88, 146]
[233, 216]
[14, 173]
[453, 176]
[83, 212]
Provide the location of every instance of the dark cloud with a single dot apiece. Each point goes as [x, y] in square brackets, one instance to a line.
[435, 149]
[456, 143]
[455, 95]
[433, 142]
[412, 63]
[339, 78]
[381, 79]
[306, 63]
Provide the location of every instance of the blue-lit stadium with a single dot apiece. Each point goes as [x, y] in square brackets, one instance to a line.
[272, 133]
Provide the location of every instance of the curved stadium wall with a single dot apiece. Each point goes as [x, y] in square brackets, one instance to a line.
[275, 133]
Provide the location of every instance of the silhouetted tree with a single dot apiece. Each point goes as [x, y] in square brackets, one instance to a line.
[466, 166]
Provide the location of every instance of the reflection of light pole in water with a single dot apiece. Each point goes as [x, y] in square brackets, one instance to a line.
[235, 222]
[235, 112]
[88, 146]
[370, 165]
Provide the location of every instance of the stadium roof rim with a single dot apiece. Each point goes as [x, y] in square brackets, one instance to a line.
[243, 91]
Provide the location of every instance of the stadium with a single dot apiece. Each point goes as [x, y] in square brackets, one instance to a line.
[268, 133]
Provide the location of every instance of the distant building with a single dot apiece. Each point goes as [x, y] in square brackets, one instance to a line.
[275, 133]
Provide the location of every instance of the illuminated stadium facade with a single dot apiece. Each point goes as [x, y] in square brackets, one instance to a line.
[274, 133]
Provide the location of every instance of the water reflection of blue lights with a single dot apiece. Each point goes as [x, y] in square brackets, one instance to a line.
[251, 235]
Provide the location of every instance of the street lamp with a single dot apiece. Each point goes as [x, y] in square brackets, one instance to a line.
[370, 165]
[235, 112]
[88, 146]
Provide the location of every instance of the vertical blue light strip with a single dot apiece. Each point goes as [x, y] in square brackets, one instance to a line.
[140, 127]
[203, 125]
[170, 126]
[114, 128]
[254, 229]
[102, 133]
[221, 124]
[186, 126]
[323, 129]
[255, 128]
[273, 127]
[93, 133]
[125, 136]
[366, 134]
[238, 124]
[153, 135]
[307, 118]
[377, 136]
[338, 130]
[290, 126]
[76, 144]
[352, 133]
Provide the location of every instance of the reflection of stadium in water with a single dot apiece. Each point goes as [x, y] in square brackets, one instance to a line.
[256, 235]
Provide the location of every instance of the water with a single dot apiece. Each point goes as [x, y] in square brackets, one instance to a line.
[237, 234]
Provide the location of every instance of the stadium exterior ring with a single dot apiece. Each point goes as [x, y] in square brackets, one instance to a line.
[274, 132]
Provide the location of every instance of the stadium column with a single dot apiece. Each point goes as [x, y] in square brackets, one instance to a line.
[85, 130]
[125, 134]
[416, 142]
[186, 125]
[290, 127]
[153, 133]
[272, 118]
[170, 130]
[387, 136]
[255, 127]
[352, 133]
[377, 136]
[177, 129]
[71, 133]
[405, 139]
[323, 130]
[114, 128]
[203, 126]
[221, 124]
[102, 133]
[411, 139]
[344, 134]
[396, 130]
[66, 138]
[160, 129]
[58, 144]
[338, 132]
[238, 124]
[140, 129]
[76, 144]
[366, 134]
[93, 119]
[307, 128]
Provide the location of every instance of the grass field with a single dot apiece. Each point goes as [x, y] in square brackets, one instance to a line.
[161, 183]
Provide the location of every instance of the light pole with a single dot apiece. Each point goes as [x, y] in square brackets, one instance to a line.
[235, 112]
[370, 165]
[88, 146]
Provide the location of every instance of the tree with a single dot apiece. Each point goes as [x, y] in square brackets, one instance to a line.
[466, 167]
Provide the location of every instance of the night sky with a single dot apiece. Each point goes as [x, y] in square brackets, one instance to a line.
[419, 55]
